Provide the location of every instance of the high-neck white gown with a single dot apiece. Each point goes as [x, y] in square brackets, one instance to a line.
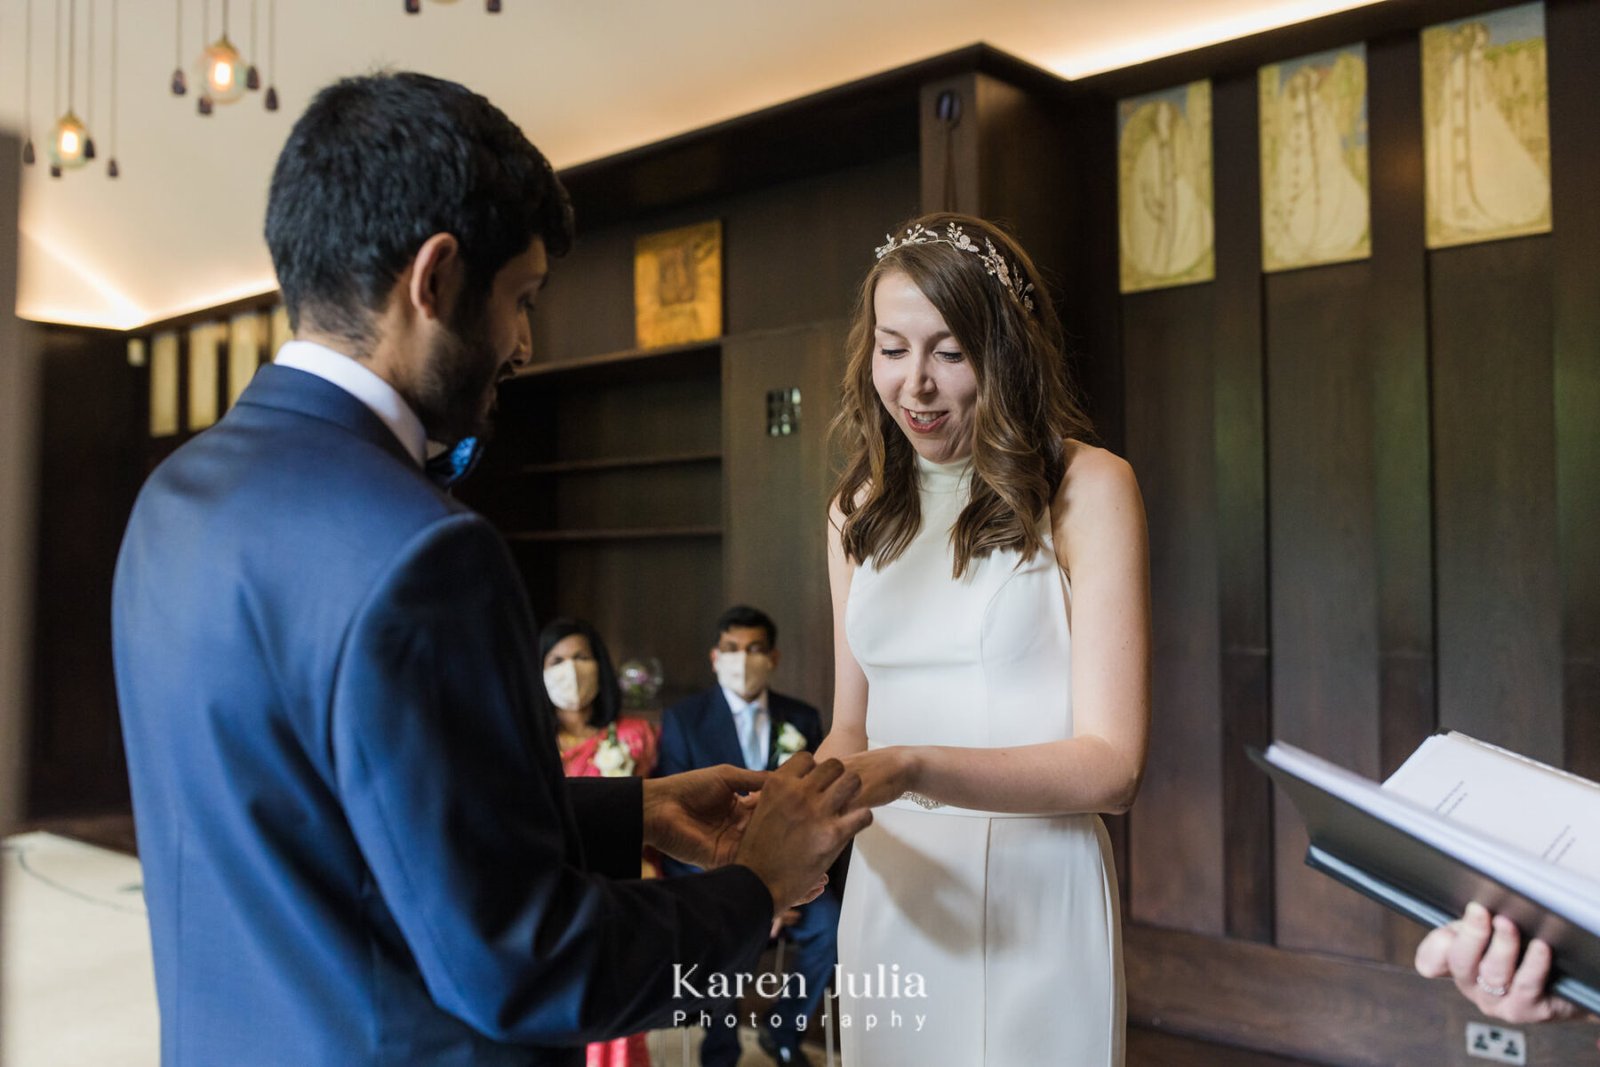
[1009, 921]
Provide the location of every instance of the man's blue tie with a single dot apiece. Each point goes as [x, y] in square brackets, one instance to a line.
[750, 742]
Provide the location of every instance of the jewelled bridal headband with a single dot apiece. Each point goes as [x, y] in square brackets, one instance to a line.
[993, 262]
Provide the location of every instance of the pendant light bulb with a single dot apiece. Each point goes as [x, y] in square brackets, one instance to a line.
[69, 144]
[27, 153]
[222, 72]
[180, 83]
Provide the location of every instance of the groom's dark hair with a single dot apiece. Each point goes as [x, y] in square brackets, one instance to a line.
[752, 618]
[376, 166]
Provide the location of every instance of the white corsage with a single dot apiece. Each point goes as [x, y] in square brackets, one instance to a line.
[611, 756]
[790, 741]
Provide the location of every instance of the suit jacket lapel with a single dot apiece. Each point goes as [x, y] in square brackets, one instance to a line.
[775, 723]
[721, 735]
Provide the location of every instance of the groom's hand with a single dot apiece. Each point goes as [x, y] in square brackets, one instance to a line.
[808, 811]
[699, 816]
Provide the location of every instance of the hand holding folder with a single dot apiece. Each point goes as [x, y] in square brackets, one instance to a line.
[1483, 955]
[1462, 823]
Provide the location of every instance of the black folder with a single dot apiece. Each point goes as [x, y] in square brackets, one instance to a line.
[1432, 886]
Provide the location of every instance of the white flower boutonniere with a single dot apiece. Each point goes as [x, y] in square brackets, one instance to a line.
[611, 756]
[790, 741]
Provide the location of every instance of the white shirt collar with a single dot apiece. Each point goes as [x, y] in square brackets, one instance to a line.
[355, 378]
[737, 703]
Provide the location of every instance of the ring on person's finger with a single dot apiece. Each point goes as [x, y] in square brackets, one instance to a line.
[1492, 990]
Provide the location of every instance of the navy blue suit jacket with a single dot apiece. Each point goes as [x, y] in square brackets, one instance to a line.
[698, 731]
[358, 845]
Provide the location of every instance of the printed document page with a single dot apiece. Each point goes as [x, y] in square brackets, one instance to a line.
[1511, 798]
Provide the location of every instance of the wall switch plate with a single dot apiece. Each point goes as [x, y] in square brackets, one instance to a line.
[783, 412]
[1497, 1044]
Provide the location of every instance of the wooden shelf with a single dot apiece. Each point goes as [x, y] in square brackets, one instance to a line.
[642, 533]
[639, 364]
[581, 466]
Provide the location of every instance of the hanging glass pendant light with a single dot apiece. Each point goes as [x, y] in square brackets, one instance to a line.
[88, 139]
[112, 170]
[69, 141]
[222, 69]
[272, 54]
[27, 87]
[180, 82]
[252, 76]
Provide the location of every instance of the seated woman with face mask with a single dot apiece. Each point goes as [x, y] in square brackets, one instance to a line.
[596, 741]
[581, 686]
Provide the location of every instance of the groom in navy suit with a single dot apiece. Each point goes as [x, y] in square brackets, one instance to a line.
[742, 721]
[357, 842]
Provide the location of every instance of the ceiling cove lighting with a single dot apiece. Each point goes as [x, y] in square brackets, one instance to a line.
[1157, 45]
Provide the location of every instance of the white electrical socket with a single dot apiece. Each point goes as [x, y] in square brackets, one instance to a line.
[1488, 1042]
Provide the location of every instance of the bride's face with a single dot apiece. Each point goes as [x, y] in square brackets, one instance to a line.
[921, 374]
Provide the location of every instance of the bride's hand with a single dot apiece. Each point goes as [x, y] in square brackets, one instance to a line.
[885, 773]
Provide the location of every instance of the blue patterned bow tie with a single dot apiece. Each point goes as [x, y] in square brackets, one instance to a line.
[453, 464]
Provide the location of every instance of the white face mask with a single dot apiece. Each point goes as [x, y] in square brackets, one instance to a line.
[572, 684]
[743, 672]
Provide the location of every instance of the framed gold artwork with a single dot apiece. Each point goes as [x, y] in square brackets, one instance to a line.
[677, 286]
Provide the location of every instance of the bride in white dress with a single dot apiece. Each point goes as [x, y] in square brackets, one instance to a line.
[991, 632]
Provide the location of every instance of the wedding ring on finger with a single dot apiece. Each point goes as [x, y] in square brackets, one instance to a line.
[1492, 990]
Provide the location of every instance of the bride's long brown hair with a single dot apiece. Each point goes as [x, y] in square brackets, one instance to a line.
[1024, 413]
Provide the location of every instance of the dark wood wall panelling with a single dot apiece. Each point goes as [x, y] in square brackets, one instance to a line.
[1401, 422]
[775, 554]
[1313, 1007]
[92, 408]
[1490, 327]
[1575, 246]
[19, 388]
[1373, 489]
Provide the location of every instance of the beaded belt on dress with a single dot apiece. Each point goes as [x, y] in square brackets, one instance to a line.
[917, 803]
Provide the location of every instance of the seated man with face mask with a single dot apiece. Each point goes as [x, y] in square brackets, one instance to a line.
[742, 721]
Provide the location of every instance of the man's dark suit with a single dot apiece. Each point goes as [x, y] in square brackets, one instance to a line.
[699, 732]
[358, 845]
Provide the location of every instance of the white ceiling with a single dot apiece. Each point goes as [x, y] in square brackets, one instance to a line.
[180, 229]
